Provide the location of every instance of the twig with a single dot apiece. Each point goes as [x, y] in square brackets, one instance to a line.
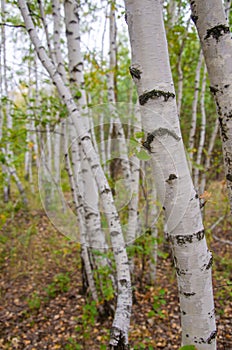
[13, 25]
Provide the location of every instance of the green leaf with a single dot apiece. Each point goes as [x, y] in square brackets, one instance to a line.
[139, 134]
[188, 347]
[142, 155]
[134, 142]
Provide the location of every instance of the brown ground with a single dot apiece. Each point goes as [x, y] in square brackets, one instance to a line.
[32, 253]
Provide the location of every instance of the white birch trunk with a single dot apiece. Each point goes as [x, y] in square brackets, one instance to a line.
[45, 25]
[133, 204]
[209, 154]
[193, 126]
[180, 71]
[9, 168]
[227, 4]
[215, 37]
[117, 125]
[57, 40]
[78, 202]
[56, 154]
[152, 75]
[172, 12]
[90, 194]
[119, 331]
[202, 132]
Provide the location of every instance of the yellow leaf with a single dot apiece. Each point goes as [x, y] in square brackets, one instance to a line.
[206, 195]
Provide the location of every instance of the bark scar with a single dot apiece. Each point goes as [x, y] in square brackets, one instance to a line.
[217, 31]
[155, 94]
[158, 132]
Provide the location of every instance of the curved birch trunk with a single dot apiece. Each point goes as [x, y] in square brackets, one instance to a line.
[152, 76]
[215, 37]
[119, 330]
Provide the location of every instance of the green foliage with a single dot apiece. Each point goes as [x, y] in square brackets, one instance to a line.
[60, 284]
[188, 347]
[88, 319]
[158, 302]
[34, 301]
[72, 345]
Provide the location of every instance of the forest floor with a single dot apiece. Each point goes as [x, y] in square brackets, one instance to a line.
[42, 306]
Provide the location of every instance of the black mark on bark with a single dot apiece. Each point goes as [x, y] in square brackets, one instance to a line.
[217, 31]
[194, 19]
[155, 94]
[135, 72]
[229, 177]
[211, 337]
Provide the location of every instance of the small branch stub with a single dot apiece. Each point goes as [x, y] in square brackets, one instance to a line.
[135, 73]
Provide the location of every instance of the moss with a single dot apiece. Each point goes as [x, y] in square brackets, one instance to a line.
[217, 31]
[155, 94]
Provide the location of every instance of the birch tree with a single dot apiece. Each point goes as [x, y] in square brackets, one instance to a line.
[215, 37]
[119, 330]
[152, 75]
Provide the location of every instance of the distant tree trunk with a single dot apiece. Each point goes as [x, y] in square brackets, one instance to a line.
[227, 4]
[192, 134]
[215, 36]
[152, 76]
[90, 194]
[115, 122]
[202, 133]
[9, 169]
[209, 155]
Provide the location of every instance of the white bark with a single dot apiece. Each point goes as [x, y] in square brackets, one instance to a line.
[74, 51]
[56, 154]
[193, 126]
[180, 70]
[172, 12]
[202, 132]
[115, 120]
[152, 75]
[209, 154]
[134, 190]
[215, 37]
[45, 25]
[227, 4]
[9, 168]
[57, 40]
[89, 191]
[119, 332]
[78, 202]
